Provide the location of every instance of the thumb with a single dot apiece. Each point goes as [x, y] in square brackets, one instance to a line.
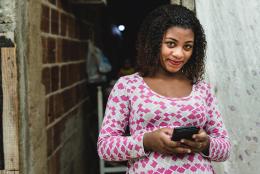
[167, 131]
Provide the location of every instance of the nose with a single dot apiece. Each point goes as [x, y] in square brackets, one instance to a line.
[178, 52]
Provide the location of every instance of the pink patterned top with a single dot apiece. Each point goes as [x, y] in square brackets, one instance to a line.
[132, 102]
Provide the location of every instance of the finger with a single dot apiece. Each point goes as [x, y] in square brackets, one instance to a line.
[192, 144]
[167, 150]
[170, 143]
[182, 150]
[178, 149]
[188, 142]
[195, 146]
[202, 136]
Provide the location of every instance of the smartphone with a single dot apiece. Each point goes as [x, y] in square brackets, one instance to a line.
[184, 133]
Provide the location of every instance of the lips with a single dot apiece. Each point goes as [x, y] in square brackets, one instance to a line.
[174, 62]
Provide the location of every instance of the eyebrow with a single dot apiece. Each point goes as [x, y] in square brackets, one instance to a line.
[190, 41]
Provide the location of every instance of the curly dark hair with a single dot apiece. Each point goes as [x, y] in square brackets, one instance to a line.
[151, 34]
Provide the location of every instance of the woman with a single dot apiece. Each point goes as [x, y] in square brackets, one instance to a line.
[167, 92]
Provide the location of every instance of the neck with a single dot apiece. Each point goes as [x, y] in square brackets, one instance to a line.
[169, 75]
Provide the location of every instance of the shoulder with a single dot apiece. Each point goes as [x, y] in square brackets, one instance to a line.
[204, 87]
[203, 84]
[127, 82]
[130, 79]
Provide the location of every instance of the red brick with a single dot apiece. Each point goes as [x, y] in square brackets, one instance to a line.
[63, 24]
[73, 96]
[46, 79]
[66, 50]
[72, 73]
[44, 50]
[70, 50]
[49, 142]
[78, 68]
[59, 50]
[55, 78]
[50, 110]
[58, 105]
[51, 46]
[71, 27]
[74, 76]
[67, 99]
[54, 22]
[64, 76]
[45, 19]
[73, 51]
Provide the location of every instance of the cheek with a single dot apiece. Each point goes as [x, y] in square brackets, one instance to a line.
[188, 56]
[166, 53]
[161, 60]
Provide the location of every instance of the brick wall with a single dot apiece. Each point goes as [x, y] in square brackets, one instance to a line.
[64, 50]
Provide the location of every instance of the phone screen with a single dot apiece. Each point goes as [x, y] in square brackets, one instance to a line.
[184, 133]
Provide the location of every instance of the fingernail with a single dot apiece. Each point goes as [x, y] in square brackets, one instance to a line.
[189, 151]
[182, 141]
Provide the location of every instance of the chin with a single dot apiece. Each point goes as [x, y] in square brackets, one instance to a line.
[171, 71]
[175, 70]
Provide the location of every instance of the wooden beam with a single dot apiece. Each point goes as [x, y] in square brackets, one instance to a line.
[10, 109]
[8, 172]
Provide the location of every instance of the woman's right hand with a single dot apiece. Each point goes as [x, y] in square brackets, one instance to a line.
[160, 141]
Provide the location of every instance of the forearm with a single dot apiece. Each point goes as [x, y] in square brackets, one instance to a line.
[219, 149]
[121, 148]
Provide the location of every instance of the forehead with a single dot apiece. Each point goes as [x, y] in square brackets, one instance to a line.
[179, 32]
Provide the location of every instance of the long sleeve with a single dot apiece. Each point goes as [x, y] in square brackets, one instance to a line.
[220, 145]
[113, 145]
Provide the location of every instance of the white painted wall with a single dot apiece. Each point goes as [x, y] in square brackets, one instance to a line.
[233, 67]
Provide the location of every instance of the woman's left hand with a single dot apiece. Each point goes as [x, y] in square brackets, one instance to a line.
[199, 143]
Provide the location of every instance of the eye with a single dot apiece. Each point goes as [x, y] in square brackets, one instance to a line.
[170, 44]
[188, 47]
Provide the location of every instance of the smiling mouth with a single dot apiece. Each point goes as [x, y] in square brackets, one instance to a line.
[175, 63]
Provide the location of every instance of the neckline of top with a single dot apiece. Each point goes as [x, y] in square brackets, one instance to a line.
[162, 96]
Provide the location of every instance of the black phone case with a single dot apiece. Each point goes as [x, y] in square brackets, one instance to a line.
[184, 133]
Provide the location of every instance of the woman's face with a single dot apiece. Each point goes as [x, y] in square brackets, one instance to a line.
[177, 47]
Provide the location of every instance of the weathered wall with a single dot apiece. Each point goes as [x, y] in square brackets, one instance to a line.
[7, 16]
[33, 134]
[51, 49]
[233, 63]
[21, 36]
[190, 4]
[64, 49]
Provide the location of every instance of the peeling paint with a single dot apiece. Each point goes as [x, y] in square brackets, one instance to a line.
[240, 157]
[247, 152]
[232, 108]
[248, 138]
[255, 139]
[232, 31]
[7, 16]
[248, 92]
